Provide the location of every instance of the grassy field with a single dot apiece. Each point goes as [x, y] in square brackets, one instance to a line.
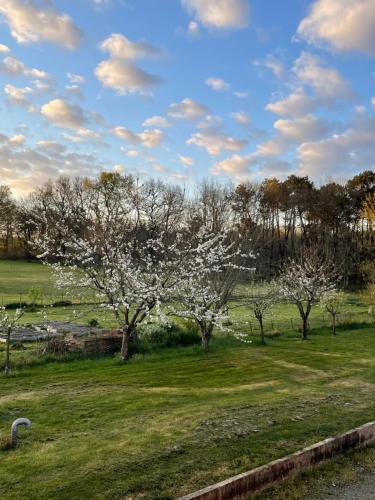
[175, 420]
[17, 277]
[171, 422]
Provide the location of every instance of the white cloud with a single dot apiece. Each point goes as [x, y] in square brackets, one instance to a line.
[24, 168]
[156, 121]
[120, 47]
[17, 139]
[14, 67]
[75, 91]
[214, 142]
[159, 168]
[76, 79]
[340, 154]
[341, 25]
[186, 161]
[210, 122]
[193, 28]
[64, 114]
[274, 64]
[234, 166]
[219, 14]
[217, 84]
[119, 168]
[4, 48]
[241, 117]
[325, 81]
[120, 72]
[241, 95]
[30, 23]
[132, 153]
[307, 128]
[316, 85]
[124, 77]
[295, 105]
[19, 96]
[274, 147]
[187, 109]
[149, 138]
[51, 146]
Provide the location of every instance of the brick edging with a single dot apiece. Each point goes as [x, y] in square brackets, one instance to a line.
[256, 480]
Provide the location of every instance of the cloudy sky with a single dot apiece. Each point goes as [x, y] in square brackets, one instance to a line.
[184, 89]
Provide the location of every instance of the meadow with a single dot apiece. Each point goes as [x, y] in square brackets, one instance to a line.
[174, 420]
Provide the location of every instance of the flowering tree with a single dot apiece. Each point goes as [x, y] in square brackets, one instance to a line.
[106, 245]
[212, 267]
[304, 282]
[7, 324]
[333, 302]
[260, 302]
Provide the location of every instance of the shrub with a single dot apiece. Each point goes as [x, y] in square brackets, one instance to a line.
[62, 303]
[169, 335]
[16, 305]
[93, 322]
[17, 346]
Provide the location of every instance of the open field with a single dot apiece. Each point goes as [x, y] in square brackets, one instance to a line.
[170, 422]
[17, 277]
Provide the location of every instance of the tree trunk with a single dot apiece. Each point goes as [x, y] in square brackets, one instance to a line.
[261, 331]
[125, 345]
[7, 353]
[304, 327]
[333, 324]
[206, 332]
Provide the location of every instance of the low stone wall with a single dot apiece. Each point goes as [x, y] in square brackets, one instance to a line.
[257, 480]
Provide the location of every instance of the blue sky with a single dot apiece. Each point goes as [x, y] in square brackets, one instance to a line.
[184, 89]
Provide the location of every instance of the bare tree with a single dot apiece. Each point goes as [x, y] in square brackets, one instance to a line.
[260, 301]
[304, 282]
[7, 323]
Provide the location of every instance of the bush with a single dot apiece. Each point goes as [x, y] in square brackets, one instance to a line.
[62, 303]
[16, 305]
[169, 335]
[17, 346]
[93, 322]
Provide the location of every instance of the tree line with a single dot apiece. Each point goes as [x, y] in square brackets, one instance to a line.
[281, 218]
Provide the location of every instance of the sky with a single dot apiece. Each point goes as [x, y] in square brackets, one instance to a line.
[186, 89]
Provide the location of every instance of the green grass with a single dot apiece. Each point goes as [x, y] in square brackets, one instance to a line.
[172, 422]
[176, 420]
[17, 277]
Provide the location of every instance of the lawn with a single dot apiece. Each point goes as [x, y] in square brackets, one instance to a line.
[168, 423]
[176, 420]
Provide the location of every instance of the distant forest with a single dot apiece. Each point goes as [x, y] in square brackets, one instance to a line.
[279, 219]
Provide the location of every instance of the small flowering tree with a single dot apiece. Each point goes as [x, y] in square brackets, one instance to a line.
[260, 302]
[7, 324]
[212, 268]
[304, 282]
[333, 301]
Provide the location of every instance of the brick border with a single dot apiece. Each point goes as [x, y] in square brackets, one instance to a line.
[256, 480]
